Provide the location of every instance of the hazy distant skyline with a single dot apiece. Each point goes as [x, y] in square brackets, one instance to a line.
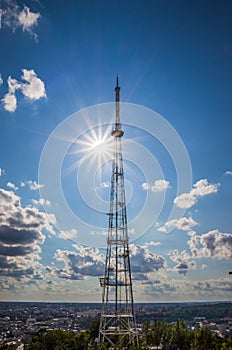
[57, 78]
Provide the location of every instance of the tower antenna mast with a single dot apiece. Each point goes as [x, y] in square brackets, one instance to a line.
[117, 321]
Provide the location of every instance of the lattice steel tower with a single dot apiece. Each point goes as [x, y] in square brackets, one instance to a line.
[117, 322]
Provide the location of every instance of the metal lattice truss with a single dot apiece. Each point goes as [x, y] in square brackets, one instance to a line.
[117, 322]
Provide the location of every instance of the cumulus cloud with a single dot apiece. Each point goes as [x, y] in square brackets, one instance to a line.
[184, 224]
[160, 287]
[33, 185]
[1, 80]
[143, 261]
[184, 289]
[200, 189]
[183, 261]
[213, 244]
[13, 17]
[9, 102]
[145, 186]
[12, 236]
[158, 186]
[2, 171]
[68, 234]
[222, 285]
[12, 186]
[32, 87]
[41, 202]
[13, 85]
[86, 261]
[78, 264]
[228, 172]
[20, 236]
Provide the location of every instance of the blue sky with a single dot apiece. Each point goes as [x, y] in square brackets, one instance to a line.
[57, 76]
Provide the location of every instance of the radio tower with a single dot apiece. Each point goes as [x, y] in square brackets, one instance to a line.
[117, 322]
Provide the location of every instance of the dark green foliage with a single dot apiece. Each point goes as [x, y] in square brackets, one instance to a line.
[57, 340]
[94, 329]
[7, 347]
[175, 336]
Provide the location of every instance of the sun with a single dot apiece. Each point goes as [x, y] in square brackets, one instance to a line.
[96, 144]
[100, 147]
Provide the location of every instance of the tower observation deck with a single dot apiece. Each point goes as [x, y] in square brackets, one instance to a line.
[117, 321]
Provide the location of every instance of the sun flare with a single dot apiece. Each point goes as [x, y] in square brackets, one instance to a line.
[95, 145]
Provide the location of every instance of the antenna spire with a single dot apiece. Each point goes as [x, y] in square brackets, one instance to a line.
[117, 80]
[117, 131]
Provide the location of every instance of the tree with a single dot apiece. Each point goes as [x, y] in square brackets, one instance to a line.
[174, 336]
[203, 340]
[94, 329]
[180, 338]
[53, 340]
[83, 340]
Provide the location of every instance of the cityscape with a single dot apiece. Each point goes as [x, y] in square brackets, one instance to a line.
[20, 321]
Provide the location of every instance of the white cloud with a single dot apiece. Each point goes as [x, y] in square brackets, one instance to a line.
[228, 172]
[222, 285]
[185, 200]
[28, 19]
[105, 184]
[153, 244]
[143, 261]
[87, 261]
[105, 233]
[18, 217]
[41, 201]
[99, 233]
[184, 224]
[12, 186]
[1, 80]
[1, 18]
[185, 289]
[78, 264]
[213, 244]
[13, 17]
[68, 234]
[158, 186]
[9, 102]
[34, 88]
[13, 85]
[183, 261]
[22, 184]
[21, 236]
[145, 186]
[33, 185]
[200, 189]
[2, 171]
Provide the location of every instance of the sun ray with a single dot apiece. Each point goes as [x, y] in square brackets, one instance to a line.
[94, 146]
